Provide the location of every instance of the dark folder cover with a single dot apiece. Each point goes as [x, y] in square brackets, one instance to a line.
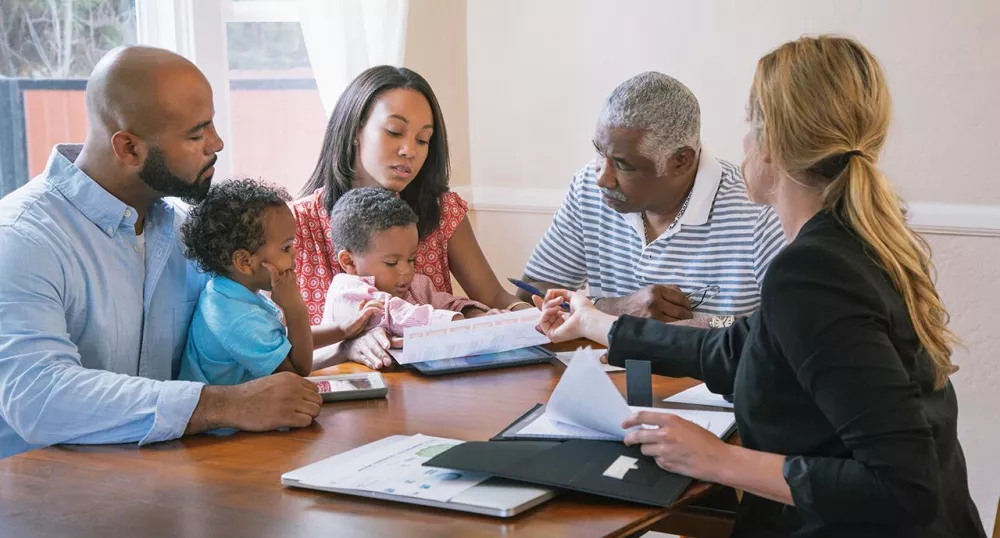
[577, 465]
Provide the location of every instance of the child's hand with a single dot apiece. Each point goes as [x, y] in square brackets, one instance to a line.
[284, 287]
[355, 326]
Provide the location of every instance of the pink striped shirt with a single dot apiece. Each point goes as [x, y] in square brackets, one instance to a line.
[422, 305]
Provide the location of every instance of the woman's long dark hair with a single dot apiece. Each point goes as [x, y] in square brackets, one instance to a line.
[335, 169]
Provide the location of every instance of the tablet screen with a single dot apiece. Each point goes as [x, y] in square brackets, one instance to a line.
[503, 357]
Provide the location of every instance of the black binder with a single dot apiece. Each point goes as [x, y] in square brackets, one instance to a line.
[572, 464]
[577, 465]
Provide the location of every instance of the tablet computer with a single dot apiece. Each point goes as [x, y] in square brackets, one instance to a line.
[486, 361]
[334, 388]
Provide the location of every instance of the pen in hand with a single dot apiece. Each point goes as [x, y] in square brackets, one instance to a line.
[533, 290]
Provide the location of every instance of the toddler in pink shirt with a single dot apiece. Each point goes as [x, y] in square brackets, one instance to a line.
[375, 235]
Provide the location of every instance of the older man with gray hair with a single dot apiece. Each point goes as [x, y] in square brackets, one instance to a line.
[655, 226]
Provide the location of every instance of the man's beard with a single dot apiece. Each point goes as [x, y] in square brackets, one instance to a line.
[158, 176]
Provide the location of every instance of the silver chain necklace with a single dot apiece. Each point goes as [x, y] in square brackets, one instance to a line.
[680, 213]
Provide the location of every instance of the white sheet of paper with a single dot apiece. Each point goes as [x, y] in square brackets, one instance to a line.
[486, 334]
[566, 356]
[398, 470]
[716, 422]
[699, 395]
[585, 396]
[586, 405]
[544, 426]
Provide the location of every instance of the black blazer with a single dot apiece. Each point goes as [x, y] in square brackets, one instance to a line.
[829, 372]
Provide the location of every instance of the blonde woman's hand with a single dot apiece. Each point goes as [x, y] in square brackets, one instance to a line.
[558, 324]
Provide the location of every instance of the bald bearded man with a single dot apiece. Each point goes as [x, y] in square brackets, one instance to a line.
[96, 294]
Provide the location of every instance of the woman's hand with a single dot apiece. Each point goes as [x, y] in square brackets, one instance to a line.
[583, 320]
[371, 348]
[678, 445]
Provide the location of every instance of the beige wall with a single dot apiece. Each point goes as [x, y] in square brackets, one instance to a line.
[538, 72]
[436, 48]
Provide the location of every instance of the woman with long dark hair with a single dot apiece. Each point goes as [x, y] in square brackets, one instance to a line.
[387, 131]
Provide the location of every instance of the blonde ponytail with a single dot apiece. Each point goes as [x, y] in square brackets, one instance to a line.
[851, 123]
[870, 206]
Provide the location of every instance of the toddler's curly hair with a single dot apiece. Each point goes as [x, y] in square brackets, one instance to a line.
[228, 219]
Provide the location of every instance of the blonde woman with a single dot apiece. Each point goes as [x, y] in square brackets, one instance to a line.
[846, 414]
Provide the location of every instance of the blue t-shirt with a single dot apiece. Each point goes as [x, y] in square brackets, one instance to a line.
[236, 336]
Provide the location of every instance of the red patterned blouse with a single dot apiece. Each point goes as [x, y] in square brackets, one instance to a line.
[316, 261]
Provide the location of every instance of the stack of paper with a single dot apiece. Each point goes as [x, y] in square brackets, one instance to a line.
[586, 405]
[700, 395]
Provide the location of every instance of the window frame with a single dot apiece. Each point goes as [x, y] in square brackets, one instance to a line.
[196, 29]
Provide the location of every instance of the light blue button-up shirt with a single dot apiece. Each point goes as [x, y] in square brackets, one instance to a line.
[90, 333]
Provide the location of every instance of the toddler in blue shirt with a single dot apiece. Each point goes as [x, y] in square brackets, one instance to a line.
[243, 234]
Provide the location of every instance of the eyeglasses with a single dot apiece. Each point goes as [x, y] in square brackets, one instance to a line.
[700, 295]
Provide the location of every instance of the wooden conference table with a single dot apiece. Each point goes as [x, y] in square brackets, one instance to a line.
[230, 486]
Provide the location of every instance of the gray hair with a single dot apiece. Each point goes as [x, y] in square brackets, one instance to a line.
[663, 106]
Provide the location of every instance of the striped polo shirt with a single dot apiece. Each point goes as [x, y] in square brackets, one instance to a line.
[721, 239]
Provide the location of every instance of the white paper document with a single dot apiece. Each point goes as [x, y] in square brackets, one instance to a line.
[586, 397]
[586, 405]
[700, 395]
[398, 470]
[566, 356]
[486, 334]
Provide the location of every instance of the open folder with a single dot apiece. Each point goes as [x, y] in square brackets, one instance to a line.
[573, 443]
[586, 405]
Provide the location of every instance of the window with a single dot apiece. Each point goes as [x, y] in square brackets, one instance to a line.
[276, 115]
[268, 108]
[47, 49]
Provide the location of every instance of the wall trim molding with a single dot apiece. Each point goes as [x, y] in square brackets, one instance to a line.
[925, 217]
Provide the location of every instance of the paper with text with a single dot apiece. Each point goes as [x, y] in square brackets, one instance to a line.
[398, 469]
[486, 334]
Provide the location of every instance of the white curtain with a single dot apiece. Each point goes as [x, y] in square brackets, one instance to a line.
[345, 37]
